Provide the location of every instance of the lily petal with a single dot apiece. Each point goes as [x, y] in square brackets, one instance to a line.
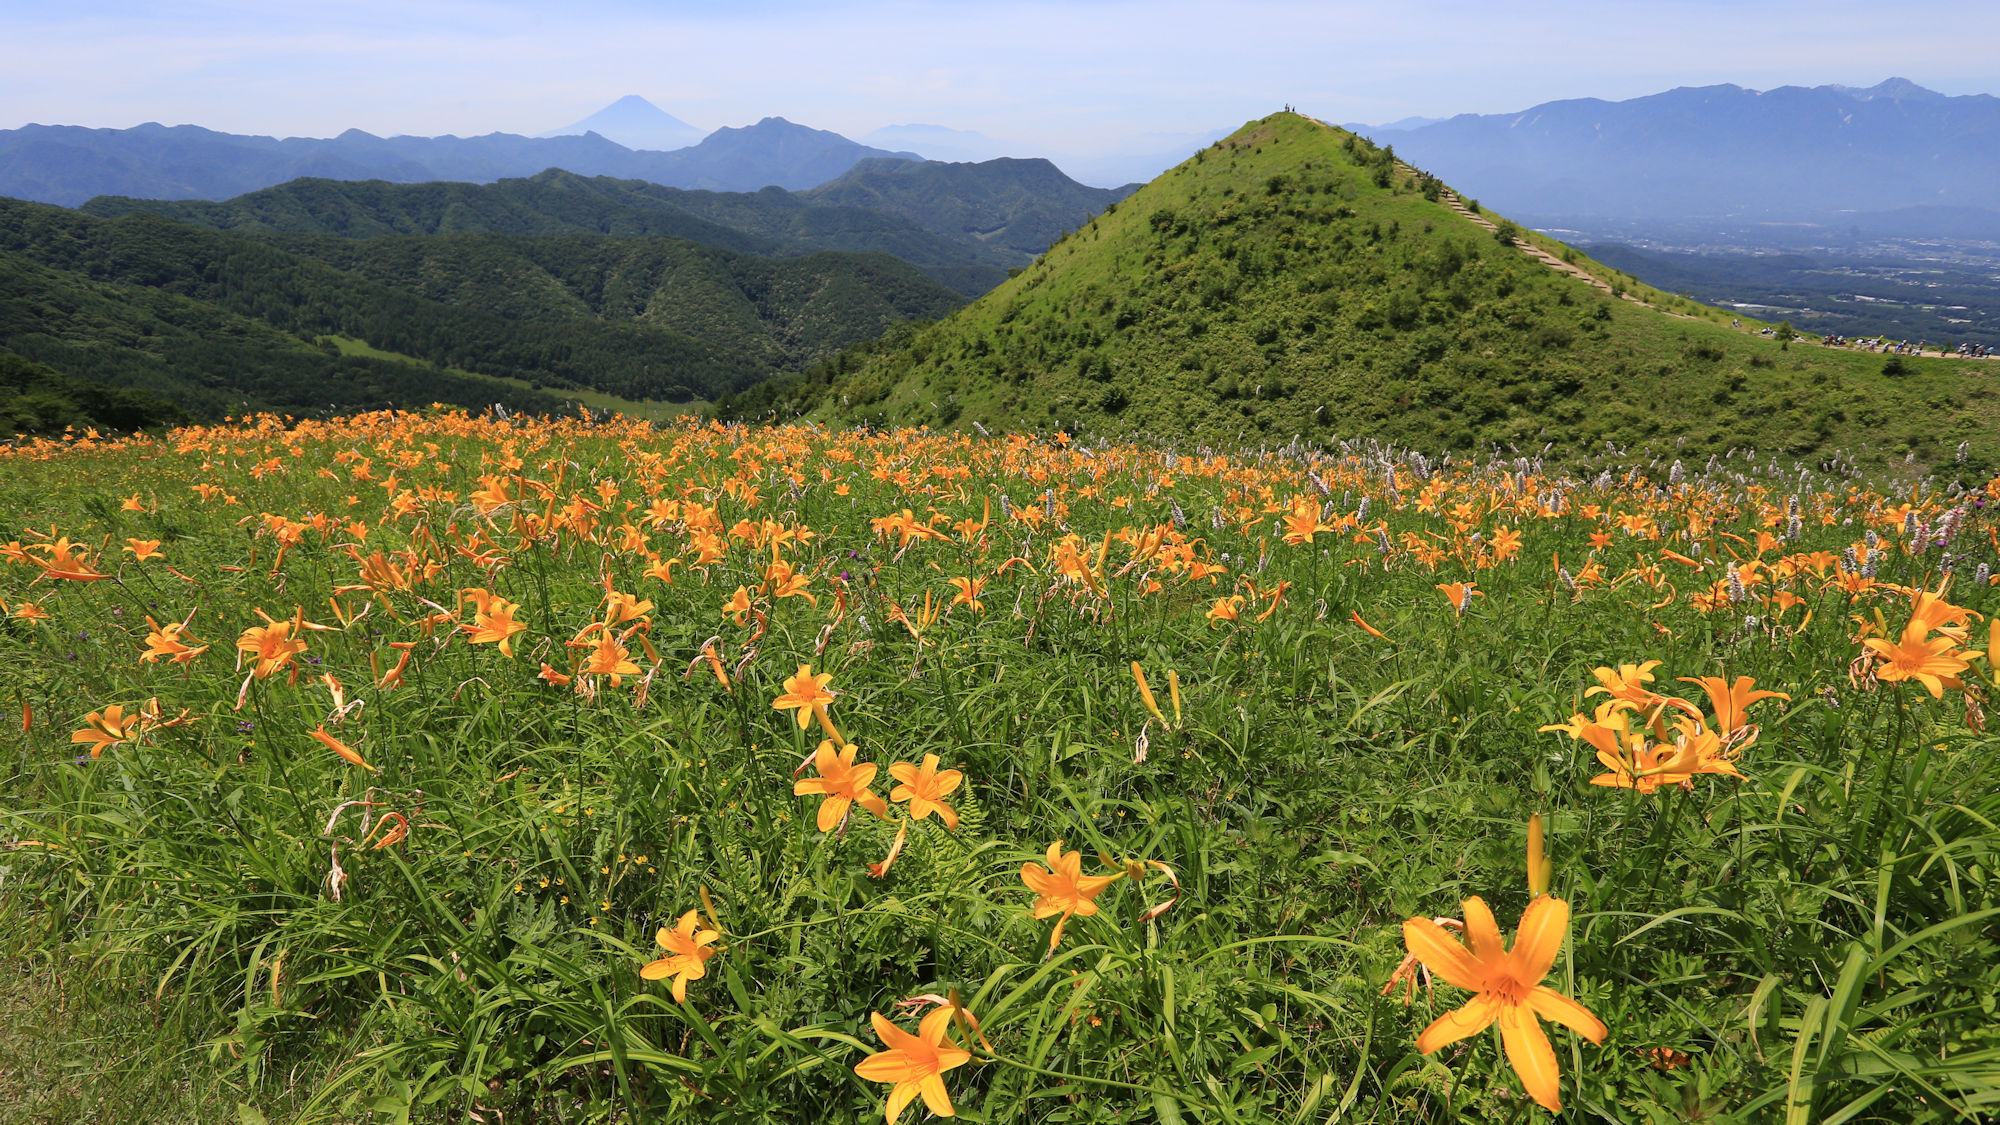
[1442, 954]
[1478, 1014]
[1529, 1053]
[1556, 1008]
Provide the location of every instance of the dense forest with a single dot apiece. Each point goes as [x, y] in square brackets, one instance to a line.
[218, 321]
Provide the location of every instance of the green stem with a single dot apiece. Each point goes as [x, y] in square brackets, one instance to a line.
[1068, 1077]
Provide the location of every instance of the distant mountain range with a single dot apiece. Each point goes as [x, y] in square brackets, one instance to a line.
[66, 164]
[1791, 154]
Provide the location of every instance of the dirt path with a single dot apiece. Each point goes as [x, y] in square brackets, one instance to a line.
[1450, 199]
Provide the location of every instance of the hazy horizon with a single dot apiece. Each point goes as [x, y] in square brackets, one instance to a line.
[1046, 79]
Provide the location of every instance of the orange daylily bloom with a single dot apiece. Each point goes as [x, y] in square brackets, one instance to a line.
[620, 608]
[926, 787]
[108, 727]
[969, 590]
[273, 646]
[492, 620]
[807, 694]
[169, 641]
[914, 1064]
[143, 549]
[1508, 988]
[1636, 763]
[1626, 683]
[1460, 595]
[842, 782]
[609, 658]
[687, 954]
[1729, 702]
[1302, 523]
[342, 749]
[1063, 888]
[1932, 662]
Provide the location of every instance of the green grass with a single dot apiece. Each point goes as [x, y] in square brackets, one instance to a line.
[1817, 941]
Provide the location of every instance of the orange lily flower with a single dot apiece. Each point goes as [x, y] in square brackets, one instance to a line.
[687, 955]
[609, 658]
[914, 1064]
[738, 607]
[926, 787]
[842, 782]
[807, 694]
[492, 620]
[1932, 662]
[1729, 702]
[342, 749]
[1063, 887]
[168, 641]
[272, 645]
[1508, 986]
[969, 590]
[108, 727]
[1626, 682]
[1459, 594]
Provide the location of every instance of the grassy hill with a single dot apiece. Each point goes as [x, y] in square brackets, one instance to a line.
[1294, 279]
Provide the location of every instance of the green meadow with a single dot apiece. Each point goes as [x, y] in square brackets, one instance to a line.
[425, 767]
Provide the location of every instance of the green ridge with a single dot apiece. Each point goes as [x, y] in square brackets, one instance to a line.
[1294, 279]
[221, 322]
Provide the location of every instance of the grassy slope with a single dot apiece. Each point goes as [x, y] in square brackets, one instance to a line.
[1269, 286]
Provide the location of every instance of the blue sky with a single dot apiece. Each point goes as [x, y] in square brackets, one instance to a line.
[1046, 78]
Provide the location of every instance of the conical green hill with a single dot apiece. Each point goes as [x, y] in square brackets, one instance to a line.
[1294, 279]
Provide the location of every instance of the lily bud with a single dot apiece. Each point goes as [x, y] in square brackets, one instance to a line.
[1538, 858]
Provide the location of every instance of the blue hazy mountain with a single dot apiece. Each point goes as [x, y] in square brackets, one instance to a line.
[1401, 126]
[1724, 152]
[637, 124]
[773, 152]
[67, 164]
